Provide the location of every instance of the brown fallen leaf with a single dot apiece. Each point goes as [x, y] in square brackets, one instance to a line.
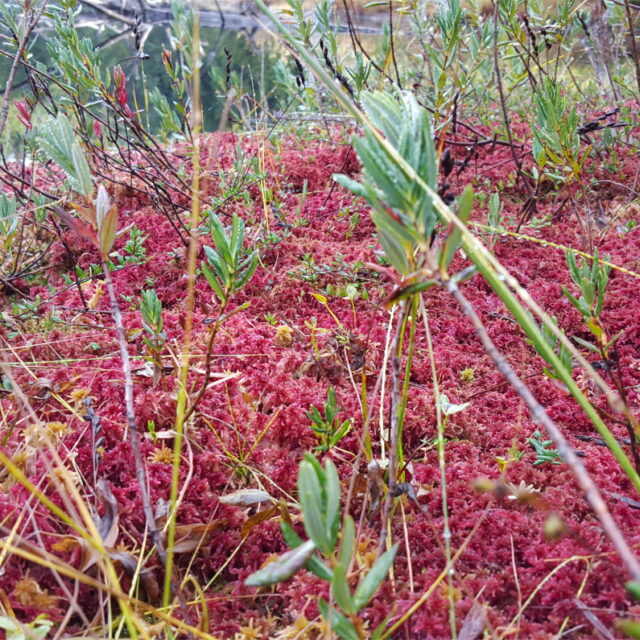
[129, 564]
[257, 518]
[108, 526]
[190, 536]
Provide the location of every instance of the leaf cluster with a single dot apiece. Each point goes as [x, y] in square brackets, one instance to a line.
[542, 450]
[228, 267]
[328, 427]
[151, 310]
[319, 493]
[401, 210]
[58, 141]
[592, 282]
[556, 141]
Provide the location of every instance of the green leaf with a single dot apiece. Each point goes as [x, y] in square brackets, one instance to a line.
[58, 141]
[573, 300]
[282, 568]
[340, 590]
[629, 627]
[633, 588]
[220, 239]
[614, 340]
[448, 408]
[310, 492]
[341, 432]
[213, 282]
[347, 542]
[370, 583]
[314, 564]
[337, 621]
[332, 513]
[465, 205]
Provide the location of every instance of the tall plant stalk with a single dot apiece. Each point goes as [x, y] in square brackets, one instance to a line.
[442, 463]
[181, 410]
[134, 435]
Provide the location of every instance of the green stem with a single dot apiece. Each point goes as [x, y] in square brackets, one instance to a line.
[412, 308]
[181, 409]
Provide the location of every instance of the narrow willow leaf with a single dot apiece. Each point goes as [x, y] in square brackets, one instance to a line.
[633, 588]
[465, 205]
[107, 231]
[332, 512]
[448, 408]
[282, 568]
[370, 583]
[314, 564]
[348, 541]
[310, 498]
[337, 621]
[213, 282]
[57, 139]
[630, 628]
[245, 497]
[340, 590]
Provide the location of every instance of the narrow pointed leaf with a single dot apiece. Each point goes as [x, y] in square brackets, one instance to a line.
[348, 541]
[465, 205]
[338, 623]
[340, 590]
[282, 568]
[332, 512]
[370, 583]
[310, 493]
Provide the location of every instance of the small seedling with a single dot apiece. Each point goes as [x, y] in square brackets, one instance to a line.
[543, 453]
[228, 267]
[328, 427]
[495, 217]
[592, 282]
[513, 455]
[133, 252]
[319, 491]
[38, 628]
[556, 142]
[151, 310]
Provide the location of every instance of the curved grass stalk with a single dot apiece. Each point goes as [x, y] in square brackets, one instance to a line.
[181, 409]
[383, 379]
[535, 592]
[553, 245]
[446, 533]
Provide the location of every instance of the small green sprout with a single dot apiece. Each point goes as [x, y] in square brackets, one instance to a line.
[328, 427]
[543, 453]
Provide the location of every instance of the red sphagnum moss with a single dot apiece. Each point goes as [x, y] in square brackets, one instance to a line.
[254, 424]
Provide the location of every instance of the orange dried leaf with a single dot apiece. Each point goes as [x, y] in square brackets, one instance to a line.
[190, 536]
[256, 519]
